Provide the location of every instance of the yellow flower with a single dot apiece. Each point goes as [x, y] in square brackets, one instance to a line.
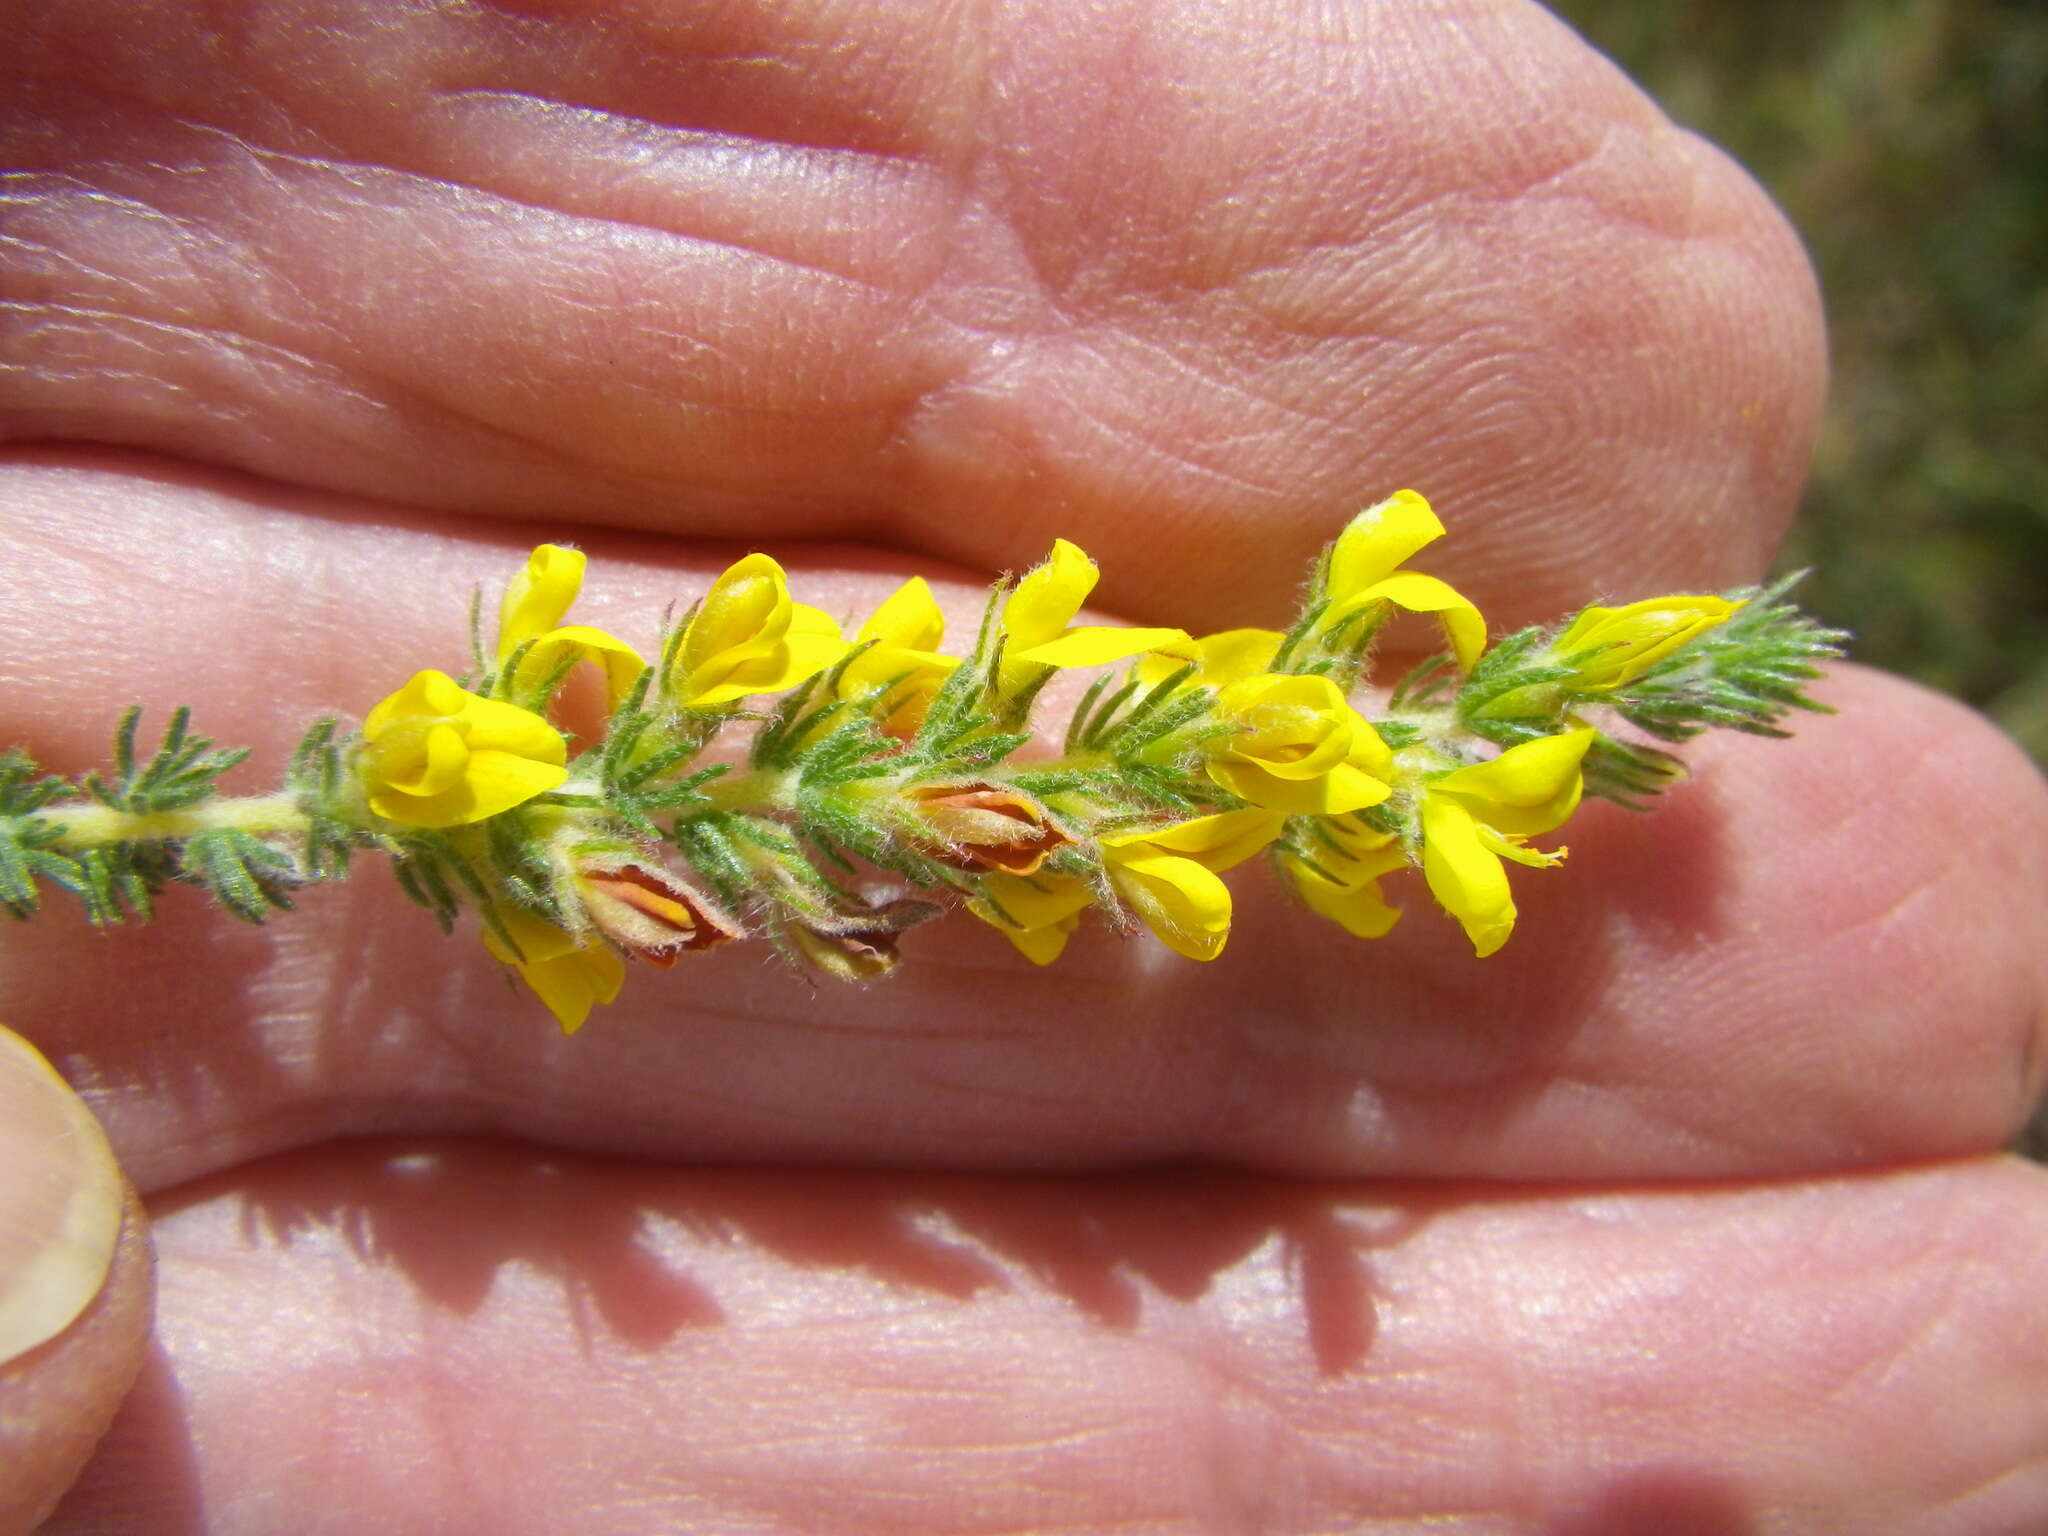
[1472, 818]
[1344, 883]
[1166, 875]
[569, 974]
[1297, 747]
[533, 607]
[1364, 570]
[436, 755]
[1628, 641]
[903, 669]
[1039, 611]
[748, 636]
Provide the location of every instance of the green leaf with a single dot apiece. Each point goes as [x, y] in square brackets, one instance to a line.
[179, 773]
[241, 871]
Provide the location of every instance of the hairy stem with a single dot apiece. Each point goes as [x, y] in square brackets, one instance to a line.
[85, 827]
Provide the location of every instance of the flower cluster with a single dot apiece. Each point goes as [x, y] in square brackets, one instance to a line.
[879, 761]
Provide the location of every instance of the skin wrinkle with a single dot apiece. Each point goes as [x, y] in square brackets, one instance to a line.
[187, 233]
[1981, 1490]
[687, 135]
[266, 161]
[57, 253]
[1218, 382]
[427, 36]
[501, 198]
[583, 455]
[1548, 184]
[321, 374]
[1888, 1358]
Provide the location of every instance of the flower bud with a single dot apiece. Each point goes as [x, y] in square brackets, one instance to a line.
[859, 946]
[849, 956]
[749, 636]
[1624, 643]
[651, 913]
[983, 827]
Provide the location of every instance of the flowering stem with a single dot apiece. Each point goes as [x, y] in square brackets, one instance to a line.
[84, 827]
[1198, 755]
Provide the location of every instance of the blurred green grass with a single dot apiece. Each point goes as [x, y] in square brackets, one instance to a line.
[1908, 142]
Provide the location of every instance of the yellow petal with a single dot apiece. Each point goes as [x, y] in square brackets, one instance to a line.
[491, 782]
[1378, 540]
[1221, 659]
[1297, 727]
[1217, 842]
[897, 685]
[621, 664]
[425, 761]
[754, 640]
[1298, 747]
[1094, 645]
[1359, 909]
[492, 725]
[1048, 596]
[1628, 641]
[1464, 627]
[813, 642]
[1034, 902]
[1294, 727]
[1465, 876]
[1185, 905]
[537, 938]
[574, 984]
[1527, 789]
[1339, 789]
[909, 619]
[536, 599]
[1354, 851]
[746, 610]
[497, 781]
[428, 693]
[1042, 946]
[567, 974]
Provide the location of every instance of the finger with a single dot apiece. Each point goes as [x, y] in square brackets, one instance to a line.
[74, 1285]
[893, 276]
[1819, 953]
[477, 1337]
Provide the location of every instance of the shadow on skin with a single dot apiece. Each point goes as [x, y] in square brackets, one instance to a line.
[1660, 1501]
[449, 1215]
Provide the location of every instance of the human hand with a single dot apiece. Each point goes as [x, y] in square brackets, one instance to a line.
[1681, 1214]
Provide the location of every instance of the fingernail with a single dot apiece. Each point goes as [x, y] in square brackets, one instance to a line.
[60, 1201]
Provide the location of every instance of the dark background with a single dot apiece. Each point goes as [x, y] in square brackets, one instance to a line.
[1908, 141]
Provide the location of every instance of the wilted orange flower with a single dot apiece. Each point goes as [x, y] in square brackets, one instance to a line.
[650, 913]
[983, 827]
